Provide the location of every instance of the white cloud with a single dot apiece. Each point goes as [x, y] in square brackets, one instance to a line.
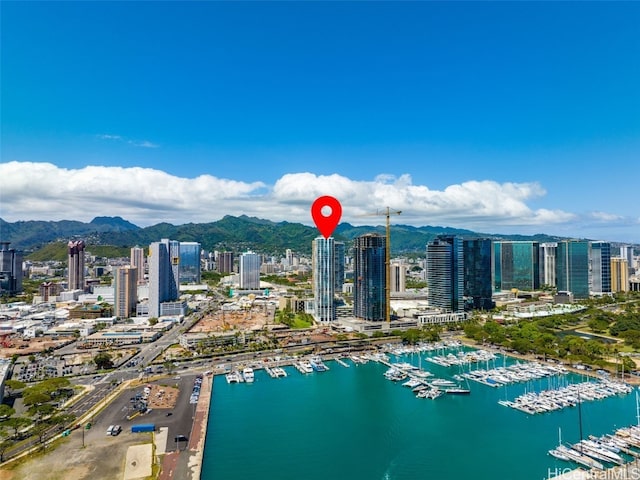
[605, 217]
[135, 143]
[145, 196]
[144, 144]
[106, 136]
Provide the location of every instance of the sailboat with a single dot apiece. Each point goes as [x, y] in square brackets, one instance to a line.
[570, 454]
[556, 452]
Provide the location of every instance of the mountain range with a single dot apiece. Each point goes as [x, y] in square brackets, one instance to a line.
[229, 233]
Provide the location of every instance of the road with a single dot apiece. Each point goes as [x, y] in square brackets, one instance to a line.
[102, 384]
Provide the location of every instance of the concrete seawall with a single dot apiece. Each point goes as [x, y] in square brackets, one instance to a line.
[198, 435]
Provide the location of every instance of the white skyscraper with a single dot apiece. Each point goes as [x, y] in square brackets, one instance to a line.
[137, 262]
[324, 281]
[548, 263]
[626, 252]
[398, 277]
[249, 271]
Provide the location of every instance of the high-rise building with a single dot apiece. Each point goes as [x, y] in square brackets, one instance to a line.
[626, 252]
[324, 272]
[225, 262]
[125, 291]
[548, 253]
[516, 265]
[445, 273]
[398, 275]
[572, 268]
[600, 259]
[477, 273]
[137, 262]
[370, 276]
[250, 271]
[339, 265]
[76, 265]
[10, 269]
[189, 262]
[164, 269]
[48, 291]
[619, 275]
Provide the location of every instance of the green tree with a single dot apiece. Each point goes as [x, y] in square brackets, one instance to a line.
[6, 411]
[35, 398]
[103, 361]
[17, 423]
[14, 385]
[153, 321]
[38, 411]
[5, 443]
[169, 366]
[626, 365]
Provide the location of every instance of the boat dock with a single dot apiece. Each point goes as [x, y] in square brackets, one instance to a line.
[339, 361]
[570, 396]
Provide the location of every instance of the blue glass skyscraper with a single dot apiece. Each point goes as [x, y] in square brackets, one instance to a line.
[516, 265]
[600, 268]
[369, 302]
[478, 288]
[445, 273]
[189, 262]
[572, 264]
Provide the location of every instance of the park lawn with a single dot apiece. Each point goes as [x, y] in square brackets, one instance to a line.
[300, 323]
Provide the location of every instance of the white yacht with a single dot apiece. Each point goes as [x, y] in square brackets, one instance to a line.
[247, 374]
[441, 382]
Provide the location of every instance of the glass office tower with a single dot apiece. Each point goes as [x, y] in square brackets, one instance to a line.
[477, 273]
[445, 273]
[516, 265]
[369, 301]
[572, 264]
[189, 262]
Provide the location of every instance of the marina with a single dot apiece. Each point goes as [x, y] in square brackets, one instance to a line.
[516, 373]
[411, 437]
[569, 396]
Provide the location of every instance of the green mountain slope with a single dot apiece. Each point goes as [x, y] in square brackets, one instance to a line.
[232, 233]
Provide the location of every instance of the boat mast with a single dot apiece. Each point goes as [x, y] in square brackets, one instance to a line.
[580, 417]
[637, 409]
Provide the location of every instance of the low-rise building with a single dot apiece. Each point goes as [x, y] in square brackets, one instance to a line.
[115, 338]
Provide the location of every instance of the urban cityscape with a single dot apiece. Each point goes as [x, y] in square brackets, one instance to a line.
[173, 305]
[311, 240]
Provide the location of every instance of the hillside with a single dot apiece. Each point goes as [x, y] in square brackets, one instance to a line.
[33, 234]
[47, 240]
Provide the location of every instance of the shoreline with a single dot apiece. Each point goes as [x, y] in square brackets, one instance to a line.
[532, 358]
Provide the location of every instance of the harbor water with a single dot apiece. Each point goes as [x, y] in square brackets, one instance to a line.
[352, 423]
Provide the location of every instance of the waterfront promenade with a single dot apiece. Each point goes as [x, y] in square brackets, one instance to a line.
[186, 462]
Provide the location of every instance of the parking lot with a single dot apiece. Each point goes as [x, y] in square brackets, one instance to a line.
[93, 455]
[178, 420]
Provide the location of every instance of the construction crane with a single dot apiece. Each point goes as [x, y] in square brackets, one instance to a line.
[387, 212]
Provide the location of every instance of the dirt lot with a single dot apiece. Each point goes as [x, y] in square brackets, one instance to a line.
[250, 319]
[162, 396]
[103, 458]
[28, 347]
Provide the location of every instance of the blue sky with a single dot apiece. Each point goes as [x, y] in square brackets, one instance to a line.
[510, 117]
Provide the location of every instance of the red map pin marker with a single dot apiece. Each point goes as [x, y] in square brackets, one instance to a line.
[326, 224]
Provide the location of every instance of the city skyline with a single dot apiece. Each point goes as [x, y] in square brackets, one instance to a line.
[496, 117]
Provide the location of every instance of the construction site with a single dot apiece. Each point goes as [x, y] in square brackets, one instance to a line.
[12, 344]
[239, 316]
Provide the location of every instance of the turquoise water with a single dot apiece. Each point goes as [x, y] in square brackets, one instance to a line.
[352, 423]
